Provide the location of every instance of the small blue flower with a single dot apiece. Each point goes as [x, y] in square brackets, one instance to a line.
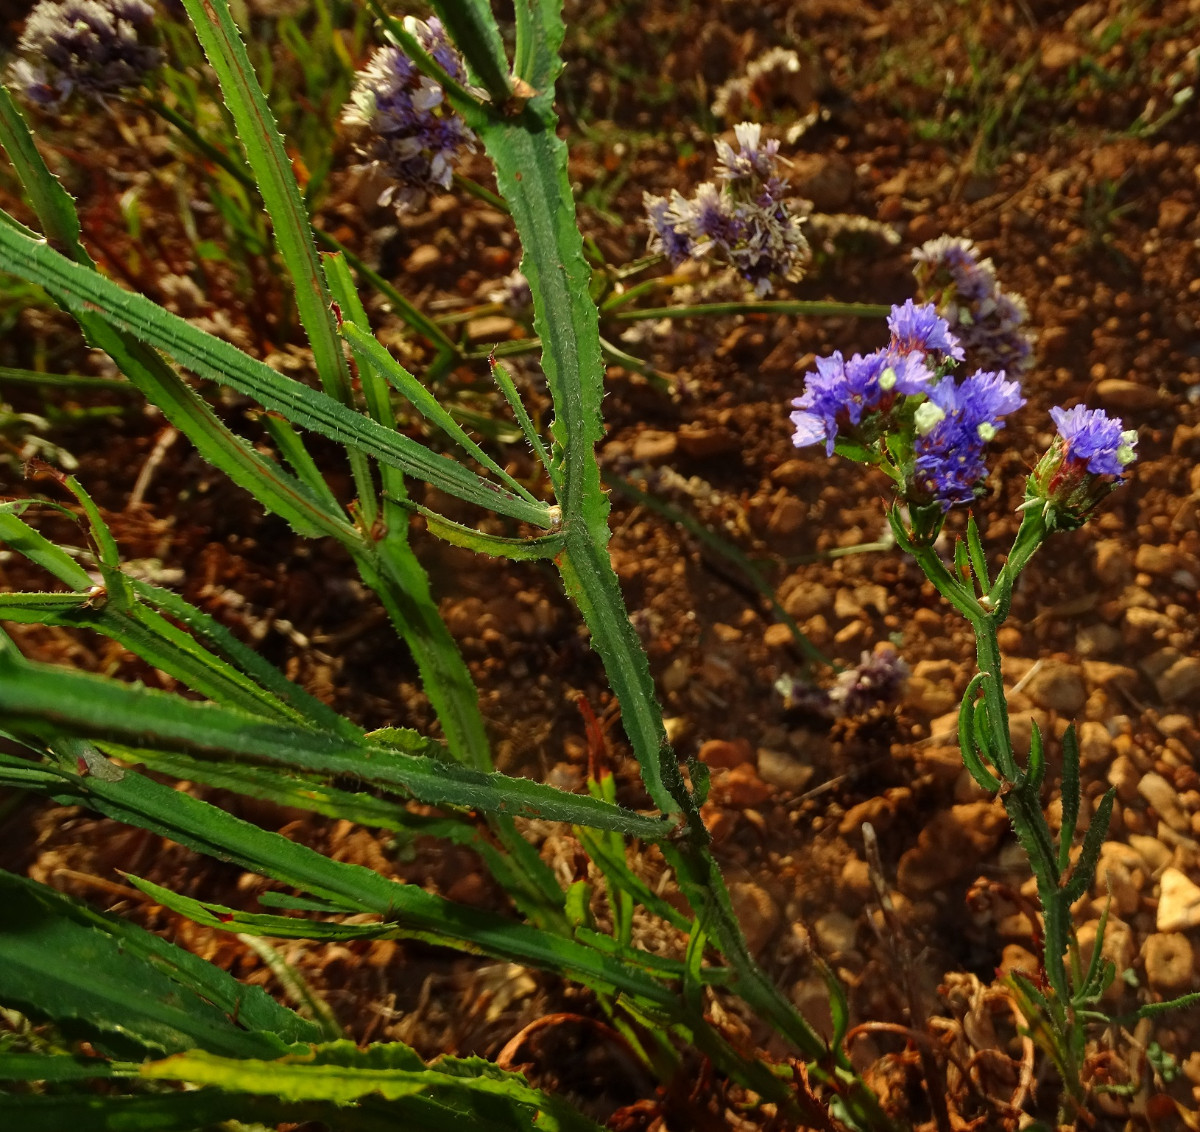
[953, 428]
[921, 328]
[877, 678]
[668, 233]
[1096, 439]
[408, 131]
[840, 394]
[1086, 462]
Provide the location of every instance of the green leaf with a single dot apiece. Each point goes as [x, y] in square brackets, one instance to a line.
[197, 825]
[341, 1073]
[693, 982]
[116, 611]
[967, 712]
[144, 368]
[622, 878]
[50, 200]
[514, 549]
[41, 608]
[377, 357]
[1154, 1009]
[1071, 796]
[978, 558]
[221, 917]
[275, 181]
[839, 1005]
[473, 29]
[41, 700]
[962, 561]
[225, 645]
[1084, 870]
[305, 792]
[273, 176]
[421, 323]
[22, 538]
[55, 1068]
[1035, 771]
[165, 1112]
[504, 381]
[60, 965]
[1093, 983]
[86, 291]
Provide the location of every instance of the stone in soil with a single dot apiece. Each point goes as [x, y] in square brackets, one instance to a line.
[1178, 902]
[1170, 962]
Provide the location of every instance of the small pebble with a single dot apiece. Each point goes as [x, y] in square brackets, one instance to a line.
[1123, 775]
[836, 934]
[726, 754]
[1170, 963]
[1095, 744]
[1059, 687]
[1178, 903]
[779, 769]
[1164, 798]
[757, 912]
[654, 446]
[1180, 681]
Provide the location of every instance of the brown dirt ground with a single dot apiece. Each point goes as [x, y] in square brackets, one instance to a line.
[1046, 133]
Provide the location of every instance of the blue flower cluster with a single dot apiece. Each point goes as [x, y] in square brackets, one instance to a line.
[989, 322]
[842, 395]
[953, 428]
[90, 47]
[905, 391]
[1085, 463]
[408, 131]
[744, 220]
[1096, 440]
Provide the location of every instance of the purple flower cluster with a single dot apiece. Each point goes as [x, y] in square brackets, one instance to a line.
[1085, 463]
[743, 221]
[1093, 438]
[843, 396]
[407, 129]
[877, 678]
[989, 322]
[922, 329]
[953, 428]
[92, 47]
[900, 404]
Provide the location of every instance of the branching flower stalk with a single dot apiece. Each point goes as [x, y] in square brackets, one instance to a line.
[900, 410]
